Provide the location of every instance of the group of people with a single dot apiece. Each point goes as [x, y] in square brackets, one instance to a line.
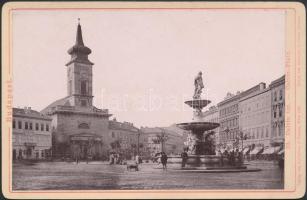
[234, 157]
[115, 158]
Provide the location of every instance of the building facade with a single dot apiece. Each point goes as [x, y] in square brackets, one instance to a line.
[277, 88]
[212, 115]
[255, 117]
[79, 129]
[124, 138]
[31, 134]
[158, 139]
[229, 119]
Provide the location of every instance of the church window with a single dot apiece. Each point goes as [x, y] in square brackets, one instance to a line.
[83, 126]
[83, 87]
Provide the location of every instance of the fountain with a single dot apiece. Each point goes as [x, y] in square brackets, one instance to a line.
[201, 151]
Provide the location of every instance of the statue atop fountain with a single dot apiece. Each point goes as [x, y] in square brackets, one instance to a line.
[199, 85]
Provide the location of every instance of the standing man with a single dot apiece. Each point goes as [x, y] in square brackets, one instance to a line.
[184, 157]
[164, 160]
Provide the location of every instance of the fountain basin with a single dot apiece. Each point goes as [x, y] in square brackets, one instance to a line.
[198, 103]
[198, 126]
[203, 163]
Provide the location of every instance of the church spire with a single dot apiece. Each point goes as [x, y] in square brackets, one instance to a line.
[79, 40]
[79, 52]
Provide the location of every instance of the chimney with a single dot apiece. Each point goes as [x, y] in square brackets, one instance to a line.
[262, 86]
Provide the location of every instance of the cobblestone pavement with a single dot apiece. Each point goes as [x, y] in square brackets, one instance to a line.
[99, 175]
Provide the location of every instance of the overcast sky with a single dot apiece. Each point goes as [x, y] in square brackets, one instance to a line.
[146, 60]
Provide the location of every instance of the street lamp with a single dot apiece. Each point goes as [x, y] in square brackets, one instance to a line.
[162, 138]
[242, 137]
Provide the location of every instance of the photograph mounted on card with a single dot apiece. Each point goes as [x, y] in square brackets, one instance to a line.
[153, 100]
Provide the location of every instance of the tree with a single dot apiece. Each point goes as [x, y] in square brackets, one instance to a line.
[161, 139]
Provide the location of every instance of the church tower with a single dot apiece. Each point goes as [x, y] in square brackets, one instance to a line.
[79, 74]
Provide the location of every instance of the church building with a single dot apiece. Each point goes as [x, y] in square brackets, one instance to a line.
[78, 127]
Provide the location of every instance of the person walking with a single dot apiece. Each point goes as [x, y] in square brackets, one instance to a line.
[164, 160]
[137, 159]
[184, 157]
[236, 157]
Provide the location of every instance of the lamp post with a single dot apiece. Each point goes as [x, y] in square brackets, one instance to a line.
[162, 138]
[226, 131]
[242, 137]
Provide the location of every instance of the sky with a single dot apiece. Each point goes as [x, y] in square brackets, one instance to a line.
[145, 61]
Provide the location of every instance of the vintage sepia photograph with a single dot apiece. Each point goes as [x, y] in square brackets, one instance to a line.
[127, 98]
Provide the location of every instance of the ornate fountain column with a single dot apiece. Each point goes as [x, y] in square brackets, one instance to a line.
[198, 126]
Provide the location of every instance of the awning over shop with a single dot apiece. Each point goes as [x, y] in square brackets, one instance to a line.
[256, 150]
[271, 150]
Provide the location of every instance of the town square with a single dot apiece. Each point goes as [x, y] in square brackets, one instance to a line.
[194, 134]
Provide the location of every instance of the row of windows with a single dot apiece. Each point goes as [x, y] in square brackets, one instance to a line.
[229, 110]
[255, 118]
[230, 123]
[29, 126]
[255, 105]
[124, 137]
[255, 133]
[39, 139]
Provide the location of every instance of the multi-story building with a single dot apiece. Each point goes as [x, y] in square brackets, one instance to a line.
[229, 116]
[229, 119]
[157, 139]
[31, 134]
[255, 116]
[124, 138]
[212, 115]
[277, 88]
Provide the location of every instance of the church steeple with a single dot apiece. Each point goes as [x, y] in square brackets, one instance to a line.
[79, 73]
[79, 40]
[79, 52]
